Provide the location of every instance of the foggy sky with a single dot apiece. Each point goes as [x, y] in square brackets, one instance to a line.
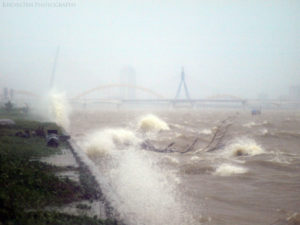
[243, 48]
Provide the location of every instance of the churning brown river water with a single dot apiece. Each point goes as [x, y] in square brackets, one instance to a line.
[237, 169]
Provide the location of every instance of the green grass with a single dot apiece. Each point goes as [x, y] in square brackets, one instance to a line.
[55, 218]
[15, 113]
[27, 185]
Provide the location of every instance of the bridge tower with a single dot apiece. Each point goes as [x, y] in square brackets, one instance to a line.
[182, 83]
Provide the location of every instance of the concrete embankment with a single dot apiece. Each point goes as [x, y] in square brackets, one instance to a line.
[88, 169]
[76, 169]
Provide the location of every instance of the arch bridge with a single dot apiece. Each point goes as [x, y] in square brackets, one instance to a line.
[159, 99]
[20, 93]
[111, 86]
[25, 93]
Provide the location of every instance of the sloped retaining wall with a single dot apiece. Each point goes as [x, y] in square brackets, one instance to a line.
[87, 165]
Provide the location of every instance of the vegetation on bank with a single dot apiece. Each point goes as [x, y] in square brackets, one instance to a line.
[28, 185]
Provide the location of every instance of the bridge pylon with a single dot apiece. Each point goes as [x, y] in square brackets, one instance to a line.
[182, 83]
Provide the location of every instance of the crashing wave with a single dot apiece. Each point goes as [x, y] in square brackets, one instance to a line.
[152, 123]
[226, 169]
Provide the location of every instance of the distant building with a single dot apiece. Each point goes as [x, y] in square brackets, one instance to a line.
[5, 93]
[8, 94]
[294, 92]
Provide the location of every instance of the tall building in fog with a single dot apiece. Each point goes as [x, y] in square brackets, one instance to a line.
[128, 79]
[295, 92]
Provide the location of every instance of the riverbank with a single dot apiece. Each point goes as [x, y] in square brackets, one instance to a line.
[36, 191]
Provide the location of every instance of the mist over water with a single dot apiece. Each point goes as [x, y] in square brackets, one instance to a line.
[251, 178]
[60, 108]
[53, 106]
